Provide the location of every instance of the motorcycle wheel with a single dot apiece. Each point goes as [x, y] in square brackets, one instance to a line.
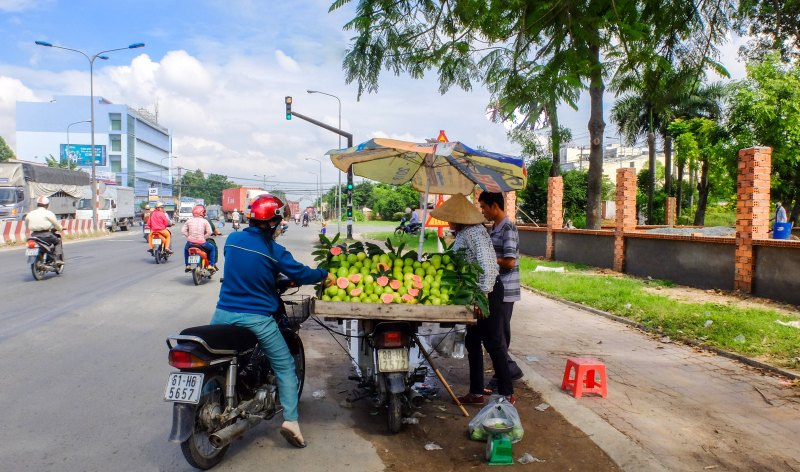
[399, 232]
[197, 275]
[37, 269]
[197, 449]
[60, 268]
[157, 255]
[300, 366]
[395, 412]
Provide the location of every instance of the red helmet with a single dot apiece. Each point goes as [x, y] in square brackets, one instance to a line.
[266, 207]
[199, 210]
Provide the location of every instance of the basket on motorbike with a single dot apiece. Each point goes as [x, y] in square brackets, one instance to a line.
[298, 309]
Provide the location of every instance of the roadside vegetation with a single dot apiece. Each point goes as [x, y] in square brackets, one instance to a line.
[411, 241]
[745, 330]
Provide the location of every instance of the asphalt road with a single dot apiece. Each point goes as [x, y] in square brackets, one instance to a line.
[84, 364]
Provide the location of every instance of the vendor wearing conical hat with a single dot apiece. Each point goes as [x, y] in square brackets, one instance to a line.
[467, 223]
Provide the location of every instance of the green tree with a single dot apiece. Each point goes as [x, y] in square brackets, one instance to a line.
[389, 199]
[195, 184]
[774, 26]
[63, 164]
[533, 198]
[6, 154]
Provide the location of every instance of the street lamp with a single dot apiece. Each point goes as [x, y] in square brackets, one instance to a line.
[91, 98]
[317, 192]
[319, 185]
[68, 126]
[161, 170]
[339, 187]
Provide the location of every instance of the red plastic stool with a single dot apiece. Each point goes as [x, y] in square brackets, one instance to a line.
[584, 381]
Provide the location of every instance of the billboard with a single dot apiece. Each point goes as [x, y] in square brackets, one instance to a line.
[81, 154]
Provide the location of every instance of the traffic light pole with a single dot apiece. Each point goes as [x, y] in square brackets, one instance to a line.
[349, 138]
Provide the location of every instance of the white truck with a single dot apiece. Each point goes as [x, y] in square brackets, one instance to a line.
[116, 207]
[22, 182]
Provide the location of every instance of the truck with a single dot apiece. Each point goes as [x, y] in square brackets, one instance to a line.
[115, 206]
[239, 198]
[21, 183]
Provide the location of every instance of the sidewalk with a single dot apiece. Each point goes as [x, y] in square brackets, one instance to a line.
[669, 406]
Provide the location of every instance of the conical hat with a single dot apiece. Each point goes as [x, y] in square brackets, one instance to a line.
[457, 209]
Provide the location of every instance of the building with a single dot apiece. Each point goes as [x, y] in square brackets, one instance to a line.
[614, 157]
[131, 147]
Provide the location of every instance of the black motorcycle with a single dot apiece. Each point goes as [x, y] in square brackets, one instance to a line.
[40, 251]
[407, 228]
[235, 225]
[159, 251]
[225, 384]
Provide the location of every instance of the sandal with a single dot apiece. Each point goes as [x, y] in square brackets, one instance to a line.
[295, 439]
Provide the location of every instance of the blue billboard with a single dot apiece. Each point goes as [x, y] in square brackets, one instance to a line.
[81, 154]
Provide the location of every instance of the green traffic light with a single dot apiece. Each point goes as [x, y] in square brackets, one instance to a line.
[288, 116]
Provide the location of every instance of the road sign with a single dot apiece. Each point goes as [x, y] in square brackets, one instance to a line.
[435, 222]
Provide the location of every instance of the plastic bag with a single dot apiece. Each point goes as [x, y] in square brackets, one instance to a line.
[498, 407]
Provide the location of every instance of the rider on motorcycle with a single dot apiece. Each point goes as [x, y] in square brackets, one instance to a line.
[235, 216]
[159, 222]
[248, 297]
[43, 224]
[197, 230]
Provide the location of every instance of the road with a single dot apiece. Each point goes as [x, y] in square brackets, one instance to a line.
[85, 363]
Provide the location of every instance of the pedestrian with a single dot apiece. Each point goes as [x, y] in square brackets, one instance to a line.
[323, 230]
[505, 239]
[467, 224]
[780, 213]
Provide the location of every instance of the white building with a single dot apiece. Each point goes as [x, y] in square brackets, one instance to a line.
[615, 157]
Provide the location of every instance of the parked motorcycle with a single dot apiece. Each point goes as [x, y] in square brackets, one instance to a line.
[386, 370]
[198, 260]
[407, 228]
[225, 385]
[41, 257]
[159, 251]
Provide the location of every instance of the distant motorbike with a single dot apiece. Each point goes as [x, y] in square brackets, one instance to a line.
[407, 228]
[146, 232]
[159, 251]
[235, 225]
[225, 385]
[41, 257]
[198, 260]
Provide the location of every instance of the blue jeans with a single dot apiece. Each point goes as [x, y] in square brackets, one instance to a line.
[211, 250]
[271, 341]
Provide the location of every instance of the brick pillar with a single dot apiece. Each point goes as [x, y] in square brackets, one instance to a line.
[752, 211]
[669, 211]
[555, 212]
[626, 213]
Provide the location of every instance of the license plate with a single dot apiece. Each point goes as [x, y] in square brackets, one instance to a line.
[147, 231]
[194, 259]
[156, 242]
[392, 360]
[183, 388]
[32, 252]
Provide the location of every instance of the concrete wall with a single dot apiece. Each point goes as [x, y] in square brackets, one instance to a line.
[694, 263]
[585, 248]
[777, 273]
[532, 242]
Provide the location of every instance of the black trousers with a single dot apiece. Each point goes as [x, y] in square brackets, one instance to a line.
[52, 238]
[489, 333]
[505, 310]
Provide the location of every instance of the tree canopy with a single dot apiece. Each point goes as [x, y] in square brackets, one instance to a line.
[6, 154]
[196, 184]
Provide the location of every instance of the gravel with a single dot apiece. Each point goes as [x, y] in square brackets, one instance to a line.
[715, 231]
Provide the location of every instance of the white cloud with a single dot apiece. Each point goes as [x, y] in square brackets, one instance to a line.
[21, 5]
[286, 62]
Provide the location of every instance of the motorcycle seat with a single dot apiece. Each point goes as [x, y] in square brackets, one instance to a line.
[224, 337]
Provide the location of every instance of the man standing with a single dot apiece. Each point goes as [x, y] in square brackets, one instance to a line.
[505, 239]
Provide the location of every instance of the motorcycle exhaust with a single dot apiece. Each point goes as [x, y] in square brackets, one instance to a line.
[415, 399]
[224, 436]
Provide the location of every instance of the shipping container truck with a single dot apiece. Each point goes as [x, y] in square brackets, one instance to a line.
[115, 206]
[21, 183]
[239, 198]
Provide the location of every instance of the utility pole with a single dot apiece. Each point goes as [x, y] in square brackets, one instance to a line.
[180, 186]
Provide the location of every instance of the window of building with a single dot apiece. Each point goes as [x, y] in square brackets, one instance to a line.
[633, 164]
[116, 121]
[116, 163]
[116, 142]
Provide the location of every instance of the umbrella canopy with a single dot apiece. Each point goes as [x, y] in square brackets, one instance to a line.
[443, 168]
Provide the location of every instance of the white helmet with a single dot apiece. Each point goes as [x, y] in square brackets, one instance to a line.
[42, 201]
[235, 209]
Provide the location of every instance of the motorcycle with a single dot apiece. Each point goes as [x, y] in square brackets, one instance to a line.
[224, 385]
[41, 257]
[146, 232]
[385, 368]
[235, 225]
[159, 251]
[198, 260]
[407, 228]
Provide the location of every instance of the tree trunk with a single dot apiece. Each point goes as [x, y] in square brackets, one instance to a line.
[597, 127]
[651, 179]
[668, 164]
[679, 198]
[555, 140]
[702, 197]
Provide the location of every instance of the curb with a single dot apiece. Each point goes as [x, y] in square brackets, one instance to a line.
[721, 352]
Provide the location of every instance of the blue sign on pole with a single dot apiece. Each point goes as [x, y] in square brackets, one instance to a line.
[81, 154]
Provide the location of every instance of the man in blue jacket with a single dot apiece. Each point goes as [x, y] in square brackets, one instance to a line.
[248, 297]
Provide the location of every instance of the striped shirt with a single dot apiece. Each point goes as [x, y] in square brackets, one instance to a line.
[505, 239]
[478, 245]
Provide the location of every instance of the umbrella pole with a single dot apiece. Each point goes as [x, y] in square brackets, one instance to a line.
[424, 220]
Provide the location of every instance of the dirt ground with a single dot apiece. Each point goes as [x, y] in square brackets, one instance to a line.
[548, 437]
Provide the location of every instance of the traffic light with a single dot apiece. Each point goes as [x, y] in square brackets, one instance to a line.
[349, 213]
[349, 186]
[288, 108]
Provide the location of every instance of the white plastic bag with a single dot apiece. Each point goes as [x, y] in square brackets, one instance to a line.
[498, 407]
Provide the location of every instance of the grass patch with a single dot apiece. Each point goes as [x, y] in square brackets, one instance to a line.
[412, 242]
[748, 331]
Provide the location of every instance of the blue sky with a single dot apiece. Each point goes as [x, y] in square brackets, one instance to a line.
[219, 71]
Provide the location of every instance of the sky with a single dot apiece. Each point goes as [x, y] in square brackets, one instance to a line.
[218, 73]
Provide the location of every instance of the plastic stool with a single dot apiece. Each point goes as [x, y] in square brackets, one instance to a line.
[584, 380]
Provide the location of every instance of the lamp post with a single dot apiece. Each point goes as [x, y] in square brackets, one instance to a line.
[68, 126]
[339, 187]
[317, 191]
[161, 171]
[319, 184]
[91, 98]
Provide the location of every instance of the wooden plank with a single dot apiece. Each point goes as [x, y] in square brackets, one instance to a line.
[366, 311]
